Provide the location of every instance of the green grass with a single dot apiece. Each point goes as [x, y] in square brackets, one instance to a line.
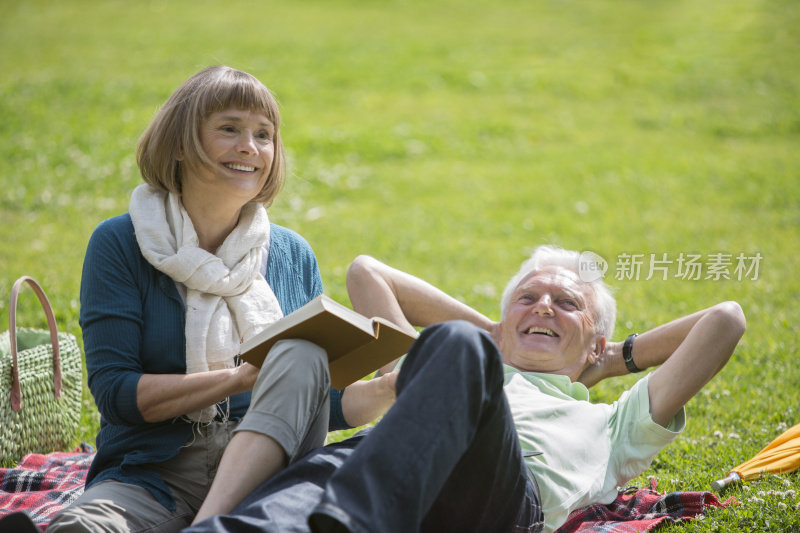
[448, 139]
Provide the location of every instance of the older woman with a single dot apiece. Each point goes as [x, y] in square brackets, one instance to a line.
[168, 292]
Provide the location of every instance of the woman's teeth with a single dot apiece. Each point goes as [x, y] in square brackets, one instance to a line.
[236, 166]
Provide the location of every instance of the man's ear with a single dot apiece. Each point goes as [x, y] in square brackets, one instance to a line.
[598, 347]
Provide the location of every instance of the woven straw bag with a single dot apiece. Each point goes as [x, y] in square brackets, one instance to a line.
[40, 382]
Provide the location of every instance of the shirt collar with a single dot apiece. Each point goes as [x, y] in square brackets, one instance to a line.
[550, 383]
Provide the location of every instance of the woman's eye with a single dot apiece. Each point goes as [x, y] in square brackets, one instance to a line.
[570, 303]
[264, 136]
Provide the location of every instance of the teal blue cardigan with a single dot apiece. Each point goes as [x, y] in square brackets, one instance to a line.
[133, 322]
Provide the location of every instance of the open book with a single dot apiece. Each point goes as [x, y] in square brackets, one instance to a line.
[356, 345]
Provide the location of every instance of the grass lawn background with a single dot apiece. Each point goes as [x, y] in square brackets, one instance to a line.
[448, 139]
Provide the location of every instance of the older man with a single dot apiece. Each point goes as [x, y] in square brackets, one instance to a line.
[482, 439]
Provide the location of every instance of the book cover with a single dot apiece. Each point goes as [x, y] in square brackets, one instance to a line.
[356, 345]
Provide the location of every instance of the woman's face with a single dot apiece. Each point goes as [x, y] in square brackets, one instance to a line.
[240, 145]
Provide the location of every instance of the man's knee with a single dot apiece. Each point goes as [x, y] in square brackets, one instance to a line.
[452, 348]
[461, 334]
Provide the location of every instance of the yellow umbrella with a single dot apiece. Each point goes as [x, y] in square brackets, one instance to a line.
[780, 456]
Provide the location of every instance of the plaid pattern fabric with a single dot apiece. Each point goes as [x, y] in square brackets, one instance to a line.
[42, 485]
[642, 509]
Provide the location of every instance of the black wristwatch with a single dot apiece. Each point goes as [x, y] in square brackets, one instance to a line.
[627, 354]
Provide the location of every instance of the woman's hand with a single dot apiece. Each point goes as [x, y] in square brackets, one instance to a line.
[247, 375]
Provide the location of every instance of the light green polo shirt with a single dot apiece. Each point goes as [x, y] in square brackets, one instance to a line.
[588, 450]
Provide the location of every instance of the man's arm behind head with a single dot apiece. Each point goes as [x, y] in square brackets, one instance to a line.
[690, 350]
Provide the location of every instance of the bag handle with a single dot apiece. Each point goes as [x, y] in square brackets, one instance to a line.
[16, 392]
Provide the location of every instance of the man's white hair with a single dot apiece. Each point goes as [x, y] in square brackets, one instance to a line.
[604, 307]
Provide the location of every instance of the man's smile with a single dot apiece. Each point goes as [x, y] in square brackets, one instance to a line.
[535, 330]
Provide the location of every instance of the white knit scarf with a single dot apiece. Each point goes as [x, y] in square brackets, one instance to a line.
[227, 299]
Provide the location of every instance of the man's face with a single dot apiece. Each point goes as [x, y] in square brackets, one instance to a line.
[548, 325]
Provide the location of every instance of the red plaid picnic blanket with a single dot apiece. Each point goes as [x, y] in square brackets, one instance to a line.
[640, 509]
[42, 485]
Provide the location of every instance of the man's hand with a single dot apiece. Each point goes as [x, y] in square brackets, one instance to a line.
[494, 331]
[608, 364]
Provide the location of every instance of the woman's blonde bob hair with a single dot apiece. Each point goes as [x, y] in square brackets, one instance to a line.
[171, 142]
